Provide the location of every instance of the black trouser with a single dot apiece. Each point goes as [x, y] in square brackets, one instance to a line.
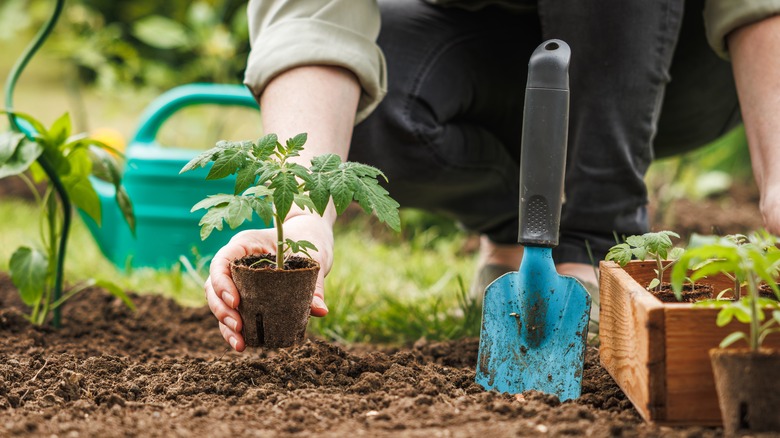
[448, 133]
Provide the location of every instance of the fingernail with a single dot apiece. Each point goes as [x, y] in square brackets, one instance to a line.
[230, 322]
[228, 299]
[318, 303]
[233, 342]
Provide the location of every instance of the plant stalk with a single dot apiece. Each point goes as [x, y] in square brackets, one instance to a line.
[10, 83]
[754, 322]
[279, 243]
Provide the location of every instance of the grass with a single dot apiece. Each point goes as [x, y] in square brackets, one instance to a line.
[383, 288]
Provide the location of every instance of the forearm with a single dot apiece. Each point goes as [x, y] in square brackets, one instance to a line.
[318, 100]
[755, 54]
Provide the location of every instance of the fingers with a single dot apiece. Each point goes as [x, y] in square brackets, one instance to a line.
[318, 307]
[234, 339]
[229, 319]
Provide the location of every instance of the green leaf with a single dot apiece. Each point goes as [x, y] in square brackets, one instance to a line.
[34, 123]
[60, 129]
[104, 166]
[653, 283]
[732, 338]
[9, 141]
[304, 202]
[23, 157]
[295, 145]
[213, 200]
[238, 210]
[116, 291]
[372, 196]
[341, 190]
[126, 207]
[212, 220]
[263, 209]
[268, 171]
[639, 253]
[325, 163]
[725, 316]
[285, 188]
[635, 241]
[620, 254]
[83, 195]
[28, 272]
[299, 171]
[246, 177]
[228, 162]
[300, 246]
[161, 32]
[259, 191]
[319, 192]
[265, 146]
[204, 158]
[676, 253]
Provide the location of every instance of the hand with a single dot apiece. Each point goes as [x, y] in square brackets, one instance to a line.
[221, 292]
[770, 208]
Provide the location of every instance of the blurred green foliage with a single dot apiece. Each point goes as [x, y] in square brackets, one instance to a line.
[130, 44]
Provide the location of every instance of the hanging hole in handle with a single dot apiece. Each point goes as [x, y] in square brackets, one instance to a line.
[552, 46]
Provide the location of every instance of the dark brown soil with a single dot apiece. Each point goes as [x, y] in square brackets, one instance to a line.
[700, 292]
[165, 371]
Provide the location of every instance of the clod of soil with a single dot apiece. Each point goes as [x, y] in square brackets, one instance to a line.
[275, 303]
[165, 371]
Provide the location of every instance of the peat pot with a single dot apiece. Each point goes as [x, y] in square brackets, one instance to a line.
[748, 389]
[659, 352]
[275, 304]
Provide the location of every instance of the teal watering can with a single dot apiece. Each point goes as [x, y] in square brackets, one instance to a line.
[162, 198]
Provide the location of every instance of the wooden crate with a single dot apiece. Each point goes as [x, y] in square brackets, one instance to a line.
[658, 352]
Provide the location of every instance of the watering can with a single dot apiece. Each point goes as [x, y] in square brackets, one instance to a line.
[161, 197]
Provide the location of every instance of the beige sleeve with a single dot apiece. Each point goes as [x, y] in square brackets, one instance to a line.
[723, 16]
[290, 33]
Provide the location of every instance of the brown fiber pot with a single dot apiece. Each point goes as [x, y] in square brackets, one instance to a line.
[748, 389]
[275, 304]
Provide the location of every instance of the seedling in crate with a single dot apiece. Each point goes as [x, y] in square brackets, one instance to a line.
[747, 261]
[65, 162]
[656, 246]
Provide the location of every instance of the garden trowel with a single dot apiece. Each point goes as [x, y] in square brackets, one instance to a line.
[534, 321]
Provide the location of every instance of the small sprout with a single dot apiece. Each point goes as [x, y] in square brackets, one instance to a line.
[656, 246]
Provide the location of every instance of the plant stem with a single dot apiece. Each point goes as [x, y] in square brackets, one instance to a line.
[279, 243]
[754, 322]
[660, 265]
[10, 83]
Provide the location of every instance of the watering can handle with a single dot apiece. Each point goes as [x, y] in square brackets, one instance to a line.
[545, 135]
[187, 95]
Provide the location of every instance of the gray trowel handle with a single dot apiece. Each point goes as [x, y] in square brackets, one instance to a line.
[543, 154]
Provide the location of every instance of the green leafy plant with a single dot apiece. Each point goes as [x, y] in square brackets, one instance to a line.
[753, 259]
[64, 162]
[655, 245]
[268, 183]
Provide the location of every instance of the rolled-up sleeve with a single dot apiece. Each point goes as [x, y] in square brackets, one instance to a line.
[723, 16]
[290, 33]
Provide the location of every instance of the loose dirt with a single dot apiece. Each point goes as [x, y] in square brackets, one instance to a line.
[164, 371]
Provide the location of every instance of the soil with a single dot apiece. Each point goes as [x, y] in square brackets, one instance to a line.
[700, 292]
[164, 370]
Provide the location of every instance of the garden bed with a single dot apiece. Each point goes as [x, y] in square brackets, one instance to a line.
[165, 371]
